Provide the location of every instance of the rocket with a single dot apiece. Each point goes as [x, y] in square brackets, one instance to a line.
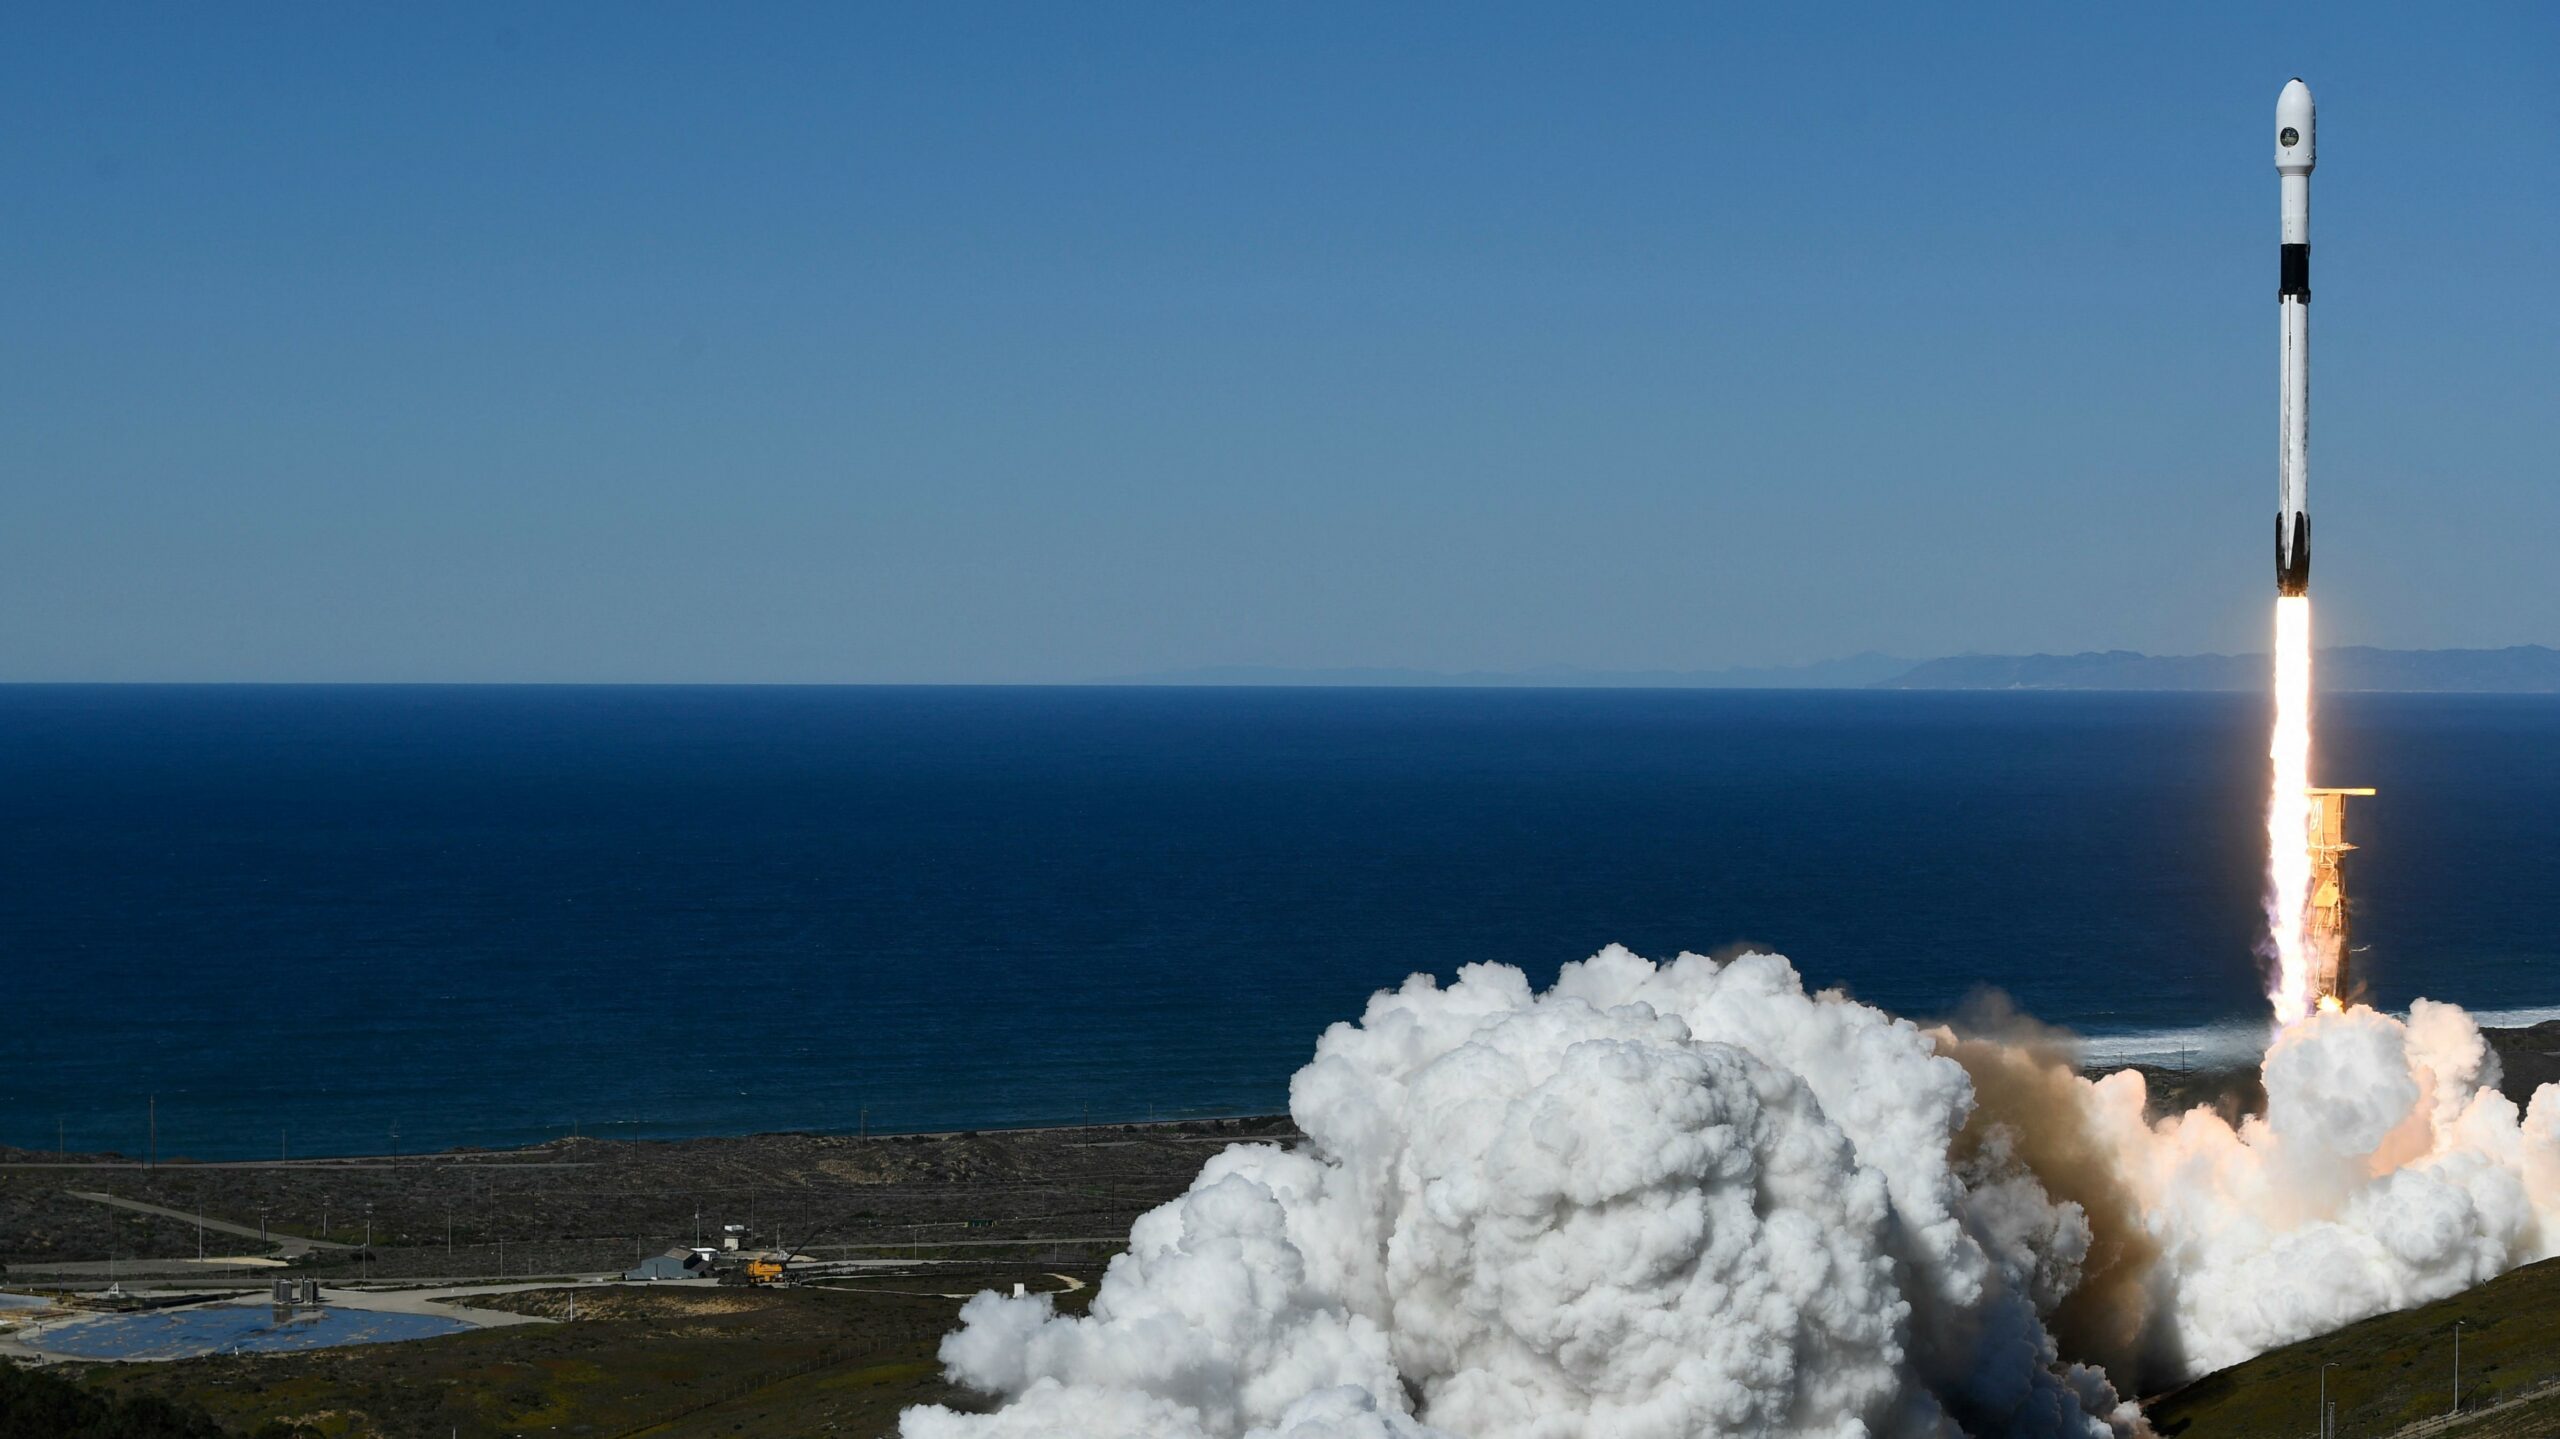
[2293, 303]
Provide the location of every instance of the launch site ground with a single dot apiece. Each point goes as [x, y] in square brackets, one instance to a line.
[579, 1206]
[889, 1234]
[895, 1231]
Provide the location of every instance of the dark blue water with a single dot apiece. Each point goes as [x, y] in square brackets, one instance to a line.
[484, 915]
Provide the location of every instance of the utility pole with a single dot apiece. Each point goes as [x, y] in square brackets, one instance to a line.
[2457, 1366]
[151, 1150]
[279, 1144]
[2328, 1426]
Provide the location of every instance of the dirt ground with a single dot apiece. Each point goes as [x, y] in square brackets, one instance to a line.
[942, 1215]
[580, 1206]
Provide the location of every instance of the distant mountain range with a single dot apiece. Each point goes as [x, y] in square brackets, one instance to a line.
[2518, 669]
[1855, 672]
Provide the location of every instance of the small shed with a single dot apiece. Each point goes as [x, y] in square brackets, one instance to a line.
[676, 1263]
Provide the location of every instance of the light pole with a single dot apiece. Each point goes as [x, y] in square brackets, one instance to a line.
[2457, 1366]
[2327, 1429]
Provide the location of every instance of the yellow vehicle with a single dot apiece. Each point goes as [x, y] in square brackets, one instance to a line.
[762, 1270]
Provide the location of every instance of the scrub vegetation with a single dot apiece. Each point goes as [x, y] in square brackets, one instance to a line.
[2395, 1372]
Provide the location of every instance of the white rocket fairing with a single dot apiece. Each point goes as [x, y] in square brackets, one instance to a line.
[2293, 303]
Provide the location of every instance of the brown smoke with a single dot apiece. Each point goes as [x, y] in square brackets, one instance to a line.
[2028, 1100]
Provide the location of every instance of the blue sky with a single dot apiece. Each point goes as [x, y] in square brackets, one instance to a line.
[981, 343]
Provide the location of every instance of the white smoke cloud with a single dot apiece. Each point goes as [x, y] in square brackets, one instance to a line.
[1693, 1199]
[2387, 1171]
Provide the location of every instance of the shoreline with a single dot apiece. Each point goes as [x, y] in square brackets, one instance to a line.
[2529, 1056]
[583, 1206]
[517, 1157]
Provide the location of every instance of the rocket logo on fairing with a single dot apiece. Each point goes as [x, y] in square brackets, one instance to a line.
[2294, 146]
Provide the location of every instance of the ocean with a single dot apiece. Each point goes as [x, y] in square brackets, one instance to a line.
[334, 920]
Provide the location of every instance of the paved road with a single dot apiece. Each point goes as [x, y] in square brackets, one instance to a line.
[294, 1245]
[911, 1244]
[431, 1301]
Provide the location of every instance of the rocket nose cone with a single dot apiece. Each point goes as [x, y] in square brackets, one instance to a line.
[2294, 117]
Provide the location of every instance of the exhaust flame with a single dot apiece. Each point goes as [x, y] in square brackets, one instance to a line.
[2289, 858]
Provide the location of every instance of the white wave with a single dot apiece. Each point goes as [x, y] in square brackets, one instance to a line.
[2514, 1018]
[2236, 1043]
[2242, 1043]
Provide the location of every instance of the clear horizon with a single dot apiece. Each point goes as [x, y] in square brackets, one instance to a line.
[1027, 346]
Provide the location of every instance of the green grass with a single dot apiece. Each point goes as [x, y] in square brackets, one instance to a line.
[2395, 1371]
[35, 1404]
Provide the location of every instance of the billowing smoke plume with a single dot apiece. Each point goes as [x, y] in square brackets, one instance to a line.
[1692, 1199]
[2387, 1171]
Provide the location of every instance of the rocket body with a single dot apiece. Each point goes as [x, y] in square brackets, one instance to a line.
[2293, 304]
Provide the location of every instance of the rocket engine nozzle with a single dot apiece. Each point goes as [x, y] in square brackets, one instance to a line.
[2293, 559]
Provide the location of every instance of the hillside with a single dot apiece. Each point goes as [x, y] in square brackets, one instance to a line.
[2395, 1373]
